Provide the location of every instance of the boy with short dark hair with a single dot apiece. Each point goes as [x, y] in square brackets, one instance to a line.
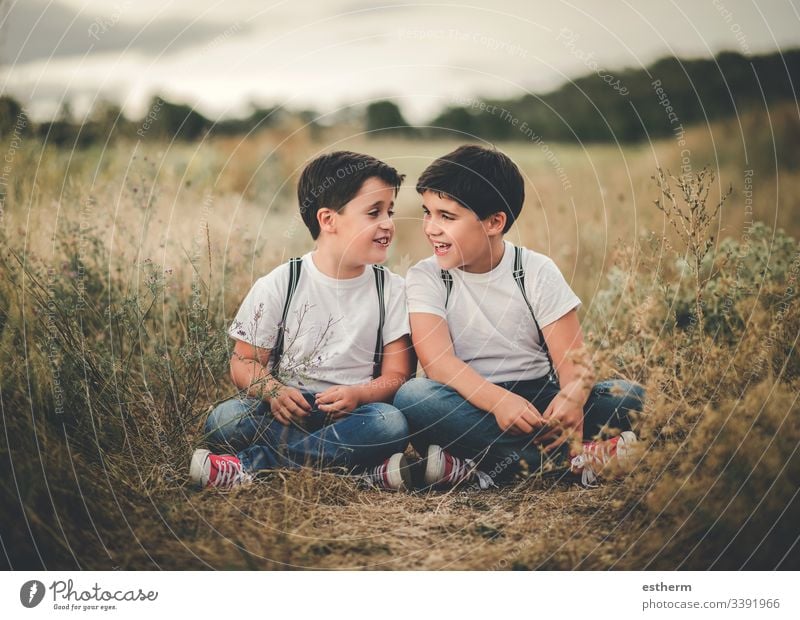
[496, 330]
[321, 343]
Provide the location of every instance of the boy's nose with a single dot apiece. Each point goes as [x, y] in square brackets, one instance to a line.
[430, 229]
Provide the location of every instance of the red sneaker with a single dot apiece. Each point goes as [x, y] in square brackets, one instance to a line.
[597, 454]
[216, 470]
[444, 469]
[391, 475]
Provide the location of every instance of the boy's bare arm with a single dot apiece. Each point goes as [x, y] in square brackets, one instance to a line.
[397, 365]
[564, 339]
[564, 415]
[249, 372]
[434, 347]
[396, 369]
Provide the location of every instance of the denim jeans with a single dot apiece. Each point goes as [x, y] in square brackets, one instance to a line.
[437, 414]
[367, 436]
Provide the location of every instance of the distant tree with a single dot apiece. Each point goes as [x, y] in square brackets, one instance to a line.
[173, 121]
[259, 118]
[384, 115]
[61, 132]
[12, 118]
[106, 122]
[264, 117]
[457, 120]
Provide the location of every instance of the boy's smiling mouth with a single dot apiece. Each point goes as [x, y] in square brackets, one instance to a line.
[440, 248]
[382, 242]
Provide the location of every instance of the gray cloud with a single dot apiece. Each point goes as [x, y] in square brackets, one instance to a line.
[37, 30]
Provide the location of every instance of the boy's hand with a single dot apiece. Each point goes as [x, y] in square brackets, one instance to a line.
[517, 415]
[289, 402]
[564, 422]
[338, 400]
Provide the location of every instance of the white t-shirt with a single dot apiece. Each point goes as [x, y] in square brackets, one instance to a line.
[489, 321]
[332, 325]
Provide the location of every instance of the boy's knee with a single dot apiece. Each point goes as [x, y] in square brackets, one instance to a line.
[389, 418]
[226, 415]
[388, 424]
[415, 391]
[641, 393]
[631, 395]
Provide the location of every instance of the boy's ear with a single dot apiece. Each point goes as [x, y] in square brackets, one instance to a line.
[495, 223]
[326, 218]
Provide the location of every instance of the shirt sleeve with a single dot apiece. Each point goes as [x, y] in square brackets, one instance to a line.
[259, 316]
[426, 291]
[550, 295]
[396, 323]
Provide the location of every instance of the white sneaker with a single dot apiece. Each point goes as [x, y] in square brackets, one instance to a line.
[216, 470]
[597, 454]
[444, 469]
[391, 475]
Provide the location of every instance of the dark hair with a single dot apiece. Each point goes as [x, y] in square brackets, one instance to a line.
[331, 181]
[483, 180]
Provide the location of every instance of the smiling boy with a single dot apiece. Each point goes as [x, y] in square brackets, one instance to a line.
[496, 330]
[321, 343]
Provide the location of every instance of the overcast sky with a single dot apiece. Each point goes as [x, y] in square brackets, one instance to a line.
[222, 55]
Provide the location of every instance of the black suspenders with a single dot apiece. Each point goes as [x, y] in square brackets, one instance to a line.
[380, 275]
[519, 278]
[295, 266]
[447, 278]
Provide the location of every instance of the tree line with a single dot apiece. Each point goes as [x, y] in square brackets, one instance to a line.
[626, 106]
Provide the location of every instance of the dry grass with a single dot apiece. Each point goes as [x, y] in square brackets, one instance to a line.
[118, 274]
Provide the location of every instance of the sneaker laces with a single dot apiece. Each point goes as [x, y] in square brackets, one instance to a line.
[374, 476]
[229, 473]
[484, 480]
[466, 469]
[591, 461]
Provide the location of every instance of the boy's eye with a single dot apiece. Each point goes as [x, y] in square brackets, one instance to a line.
[444, 216]
[391, 213]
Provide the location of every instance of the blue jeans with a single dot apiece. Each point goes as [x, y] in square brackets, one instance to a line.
[367, 436]
[437, 414]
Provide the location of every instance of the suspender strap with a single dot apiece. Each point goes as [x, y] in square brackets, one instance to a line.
[447, 278]
[519, 278]
[380, 275]
[295, 265]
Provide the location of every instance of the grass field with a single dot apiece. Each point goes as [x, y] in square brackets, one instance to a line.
[121, 268]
